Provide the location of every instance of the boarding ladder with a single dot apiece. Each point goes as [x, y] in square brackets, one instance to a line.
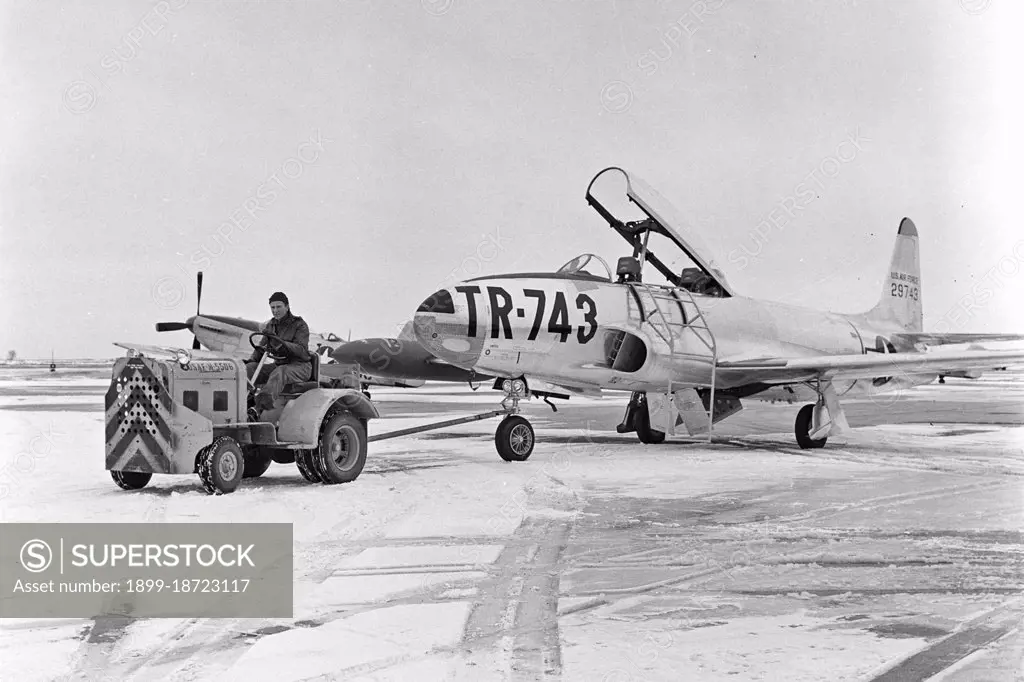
[650, 300]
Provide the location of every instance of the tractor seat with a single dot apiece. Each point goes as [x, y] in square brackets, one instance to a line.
[314, 378]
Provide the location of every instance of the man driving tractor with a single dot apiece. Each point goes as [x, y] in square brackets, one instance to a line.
[289, 346]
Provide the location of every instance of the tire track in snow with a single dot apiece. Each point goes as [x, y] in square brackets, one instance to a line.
[520, 601]
[944, 653]
[198, 646]
[608, 596]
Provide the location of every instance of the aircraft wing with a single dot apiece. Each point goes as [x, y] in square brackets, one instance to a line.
[868, 366]
[169, 351]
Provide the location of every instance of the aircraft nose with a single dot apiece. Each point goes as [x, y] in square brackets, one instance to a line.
[446, 328]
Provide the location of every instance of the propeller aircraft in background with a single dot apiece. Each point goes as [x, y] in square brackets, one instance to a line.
[400, 361]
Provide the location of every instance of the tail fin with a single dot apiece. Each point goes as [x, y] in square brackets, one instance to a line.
[900, 303]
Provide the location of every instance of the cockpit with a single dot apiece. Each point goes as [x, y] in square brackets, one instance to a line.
[587, 264]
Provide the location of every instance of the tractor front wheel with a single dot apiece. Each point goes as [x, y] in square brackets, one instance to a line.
[131, 480]
[221, 466]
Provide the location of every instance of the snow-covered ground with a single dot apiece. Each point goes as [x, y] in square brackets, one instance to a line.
[892, 554]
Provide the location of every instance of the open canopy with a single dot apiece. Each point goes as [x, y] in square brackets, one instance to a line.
[661, 218]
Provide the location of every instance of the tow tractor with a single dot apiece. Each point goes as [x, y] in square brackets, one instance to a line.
[179, 411]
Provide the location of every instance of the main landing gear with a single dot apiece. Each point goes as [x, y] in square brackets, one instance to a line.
[815, 422]
[806, 422]
[638, 418]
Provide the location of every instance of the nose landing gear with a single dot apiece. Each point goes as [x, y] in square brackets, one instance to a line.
[514, 438]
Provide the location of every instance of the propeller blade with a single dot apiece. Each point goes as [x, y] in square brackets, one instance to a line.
[199, 296]
[199, 289]
[170, 326]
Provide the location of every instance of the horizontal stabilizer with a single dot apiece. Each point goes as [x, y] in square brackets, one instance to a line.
[908, 339]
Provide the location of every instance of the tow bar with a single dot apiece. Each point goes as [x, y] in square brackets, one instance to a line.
[435, 425]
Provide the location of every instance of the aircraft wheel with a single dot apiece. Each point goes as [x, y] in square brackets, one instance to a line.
[131, 480]
[514, 439]
[629, 418]
[642, 426]
[342, 452]
[803, 429]
[221, 466]
[257, 461]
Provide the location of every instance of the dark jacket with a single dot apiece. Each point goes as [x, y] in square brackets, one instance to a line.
[294, 332]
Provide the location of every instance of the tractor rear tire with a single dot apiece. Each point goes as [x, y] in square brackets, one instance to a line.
[221, 466]
[305, 461]
[131, 480]
[341, 454]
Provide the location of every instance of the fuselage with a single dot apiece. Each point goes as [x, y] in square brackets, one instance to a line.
[585, 331]
[223, 334]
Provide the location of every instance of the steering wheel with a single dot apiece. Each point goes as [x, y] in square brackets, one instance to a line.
[266, 349]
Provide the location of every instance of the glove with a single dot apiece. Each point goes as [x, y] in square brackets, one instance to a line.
[278, 348]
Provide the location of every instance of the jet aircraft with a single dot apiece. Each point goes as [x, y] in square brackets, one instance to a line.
[690, 348]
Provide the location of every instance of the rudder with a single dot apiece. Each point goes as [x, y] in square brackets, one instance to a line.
[900, 303]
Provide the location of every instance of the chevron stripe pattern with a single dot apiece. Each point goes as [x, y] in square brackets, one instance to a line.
[138, 407]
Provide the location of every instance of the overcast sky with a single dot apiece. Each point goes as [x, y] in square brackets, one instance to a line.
[358, 155]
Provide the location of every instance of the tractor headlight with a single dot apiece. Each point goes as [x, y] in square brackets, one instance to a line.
[518, 387]
[506, 386]
[183, 357]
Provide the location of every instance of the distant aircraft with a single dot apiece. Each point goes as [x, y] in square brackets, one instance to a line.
[690, 348]
[400, 362]
[402, 359]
